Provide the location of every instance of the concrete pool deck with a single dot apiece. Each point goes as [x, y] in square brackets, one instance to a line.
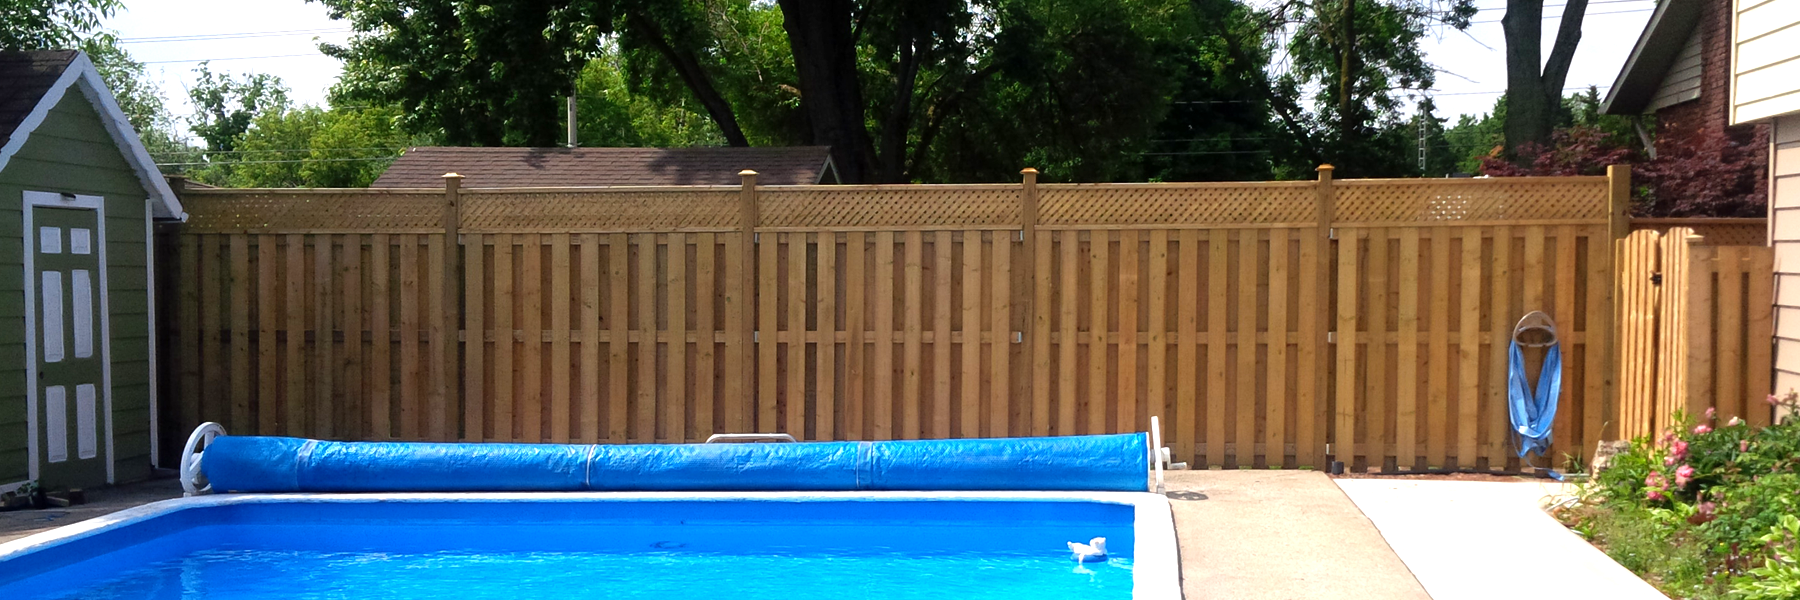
[1488, 539]
[1256, 534]
[100, 502]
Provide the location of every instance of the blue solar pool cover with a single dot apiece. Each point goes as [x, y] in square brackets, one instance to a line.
[1073, 463]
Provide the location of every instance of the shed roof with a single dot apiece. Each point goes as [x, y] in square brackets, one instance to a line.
[1650, 59]
[31, 83]
[559, 167]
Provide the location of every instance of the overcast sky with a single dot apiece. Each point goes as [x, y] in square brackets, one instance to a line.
[280, 37]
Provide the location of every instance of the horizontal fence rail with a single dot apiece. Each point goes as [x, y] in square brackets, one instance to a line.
[1266, 323]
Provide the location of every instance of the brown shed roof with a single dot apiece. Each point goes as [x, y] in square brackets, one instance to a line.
[561, 167]
[24, 79]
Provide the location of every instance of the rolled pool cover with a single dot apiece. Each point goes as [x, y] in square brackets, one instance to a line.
[1074, 463]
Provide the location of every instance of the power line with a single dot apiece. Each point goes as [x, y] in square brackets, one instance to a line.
[1562, 5]
[1559, 16]
[196, 60]
[201, 151]
[1205, 152]
[202, 37]
[1436, 94]
[274, 161]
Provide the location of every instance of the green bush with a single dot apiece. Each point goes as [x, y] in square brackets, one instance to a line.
[1705, 510]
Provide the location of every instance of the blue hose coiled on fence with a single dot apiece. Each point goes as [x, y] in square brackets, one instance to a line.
[1075, 463]
[1533, 413]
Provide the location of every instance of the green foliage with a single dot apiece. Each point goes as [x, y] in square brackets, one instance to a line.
[224, 106]
[1693, 510]
[1779, 577]
[611, 113]
[310, 147]
[51, 24]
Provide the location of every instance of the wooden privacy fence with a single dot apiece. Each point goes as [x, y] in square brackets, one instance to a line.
[1698, 323]
[1264, 322]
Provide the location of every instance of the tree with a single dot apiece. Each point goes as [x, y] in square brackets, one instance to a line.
[51, 24]
[1534, 85]
[138, 96]
[224, 106]
[885, 84]
[1356, 54]
[610, 112]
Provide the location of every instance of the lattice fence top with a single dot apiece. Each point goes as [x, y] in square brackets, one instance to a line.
[1717, 232]
[1505, 199]
[874, 206]
[305, 210]
[1178, 204]
[620, 209]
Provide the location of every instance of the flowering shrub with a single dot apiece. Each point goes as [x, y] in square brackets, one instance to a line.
[1706, 491]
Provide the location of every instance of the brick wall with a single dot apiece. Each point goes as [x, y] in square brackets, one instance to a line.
[1683, 124]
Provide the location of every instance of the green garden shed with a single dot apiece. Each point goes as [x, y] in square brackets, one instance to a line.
[78, 195]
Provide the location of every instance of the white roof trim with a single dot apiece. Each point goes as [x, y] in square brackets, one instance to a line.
[81, 70]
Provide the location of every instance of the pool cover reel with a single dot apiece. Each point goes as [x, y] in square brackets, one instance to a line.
[1075, 463]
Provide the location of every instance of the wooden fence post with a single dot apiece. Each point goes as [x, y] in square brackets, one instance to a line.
[1322, 443]
[1037, 377]
[1697, 326]
[739, 405]
[1608, 330]
[447, 398]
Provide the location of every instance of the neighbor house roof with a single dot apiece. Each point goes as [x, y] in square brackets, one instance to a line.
[31, 83]
[1656, 50]
[570, 167]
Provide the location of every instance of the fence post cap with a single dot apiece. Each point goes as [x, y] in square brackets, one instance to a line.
[747, 173]
[1326, 167]
[452, 176]
[1028, 171]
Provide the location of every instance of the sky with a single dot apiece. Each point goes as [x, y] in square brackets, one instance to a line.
[280, 37]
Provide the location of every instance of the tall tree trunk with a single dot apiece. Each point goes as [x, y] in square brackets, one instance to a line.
[1533, 95]
[819, 36]
[1347, 104]
[694, 76]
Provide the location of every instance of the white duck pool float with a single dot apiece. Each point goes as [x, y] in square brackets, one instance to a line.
[1093, 551]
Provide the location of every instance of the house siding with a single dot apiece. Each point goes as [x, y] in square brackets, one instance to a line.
[1765, 59]
[1682, 83]
[72, 152]
[1784, 227]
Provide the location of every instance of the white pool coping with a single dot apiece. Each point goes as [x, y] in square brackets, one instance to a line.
[1156, 564]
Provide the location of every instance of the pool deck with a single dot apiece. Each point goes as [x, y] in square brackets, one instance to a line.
[1280, 534]
[1489, 539]
[101, 501]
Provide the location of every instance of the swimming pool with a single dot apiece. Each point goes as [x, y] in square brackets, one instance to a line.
[790, 545]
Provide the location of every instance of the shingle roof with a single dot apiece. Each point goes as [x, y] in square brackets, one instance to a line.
[24, 79]
[561, 167]
[1651, 57]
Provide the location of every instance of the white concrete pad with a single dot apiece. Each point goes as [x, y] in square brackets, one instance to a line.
[1468, 540]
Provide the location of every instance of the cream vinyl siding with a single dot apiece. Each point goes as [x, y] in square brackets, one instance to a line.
[1765, 59]
[1682, 83]
[1784, 225]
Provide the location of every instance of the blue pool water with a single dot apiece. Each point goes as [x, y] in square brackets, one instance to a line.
[607, 549]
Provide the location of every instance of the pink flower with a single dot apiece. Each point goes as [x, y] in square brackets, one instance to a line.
[1679, 452]
[1701, 429]
[1711, 413]
[1669, 461]
[1734, 422]
[1683, 475]
[1774, 400]
[1655, 495]
[1743, 445]
[1703, 512]
[1655, 480]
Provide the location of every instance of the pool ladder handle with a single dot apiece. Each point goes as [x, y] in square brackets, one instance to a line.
[192, 453]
